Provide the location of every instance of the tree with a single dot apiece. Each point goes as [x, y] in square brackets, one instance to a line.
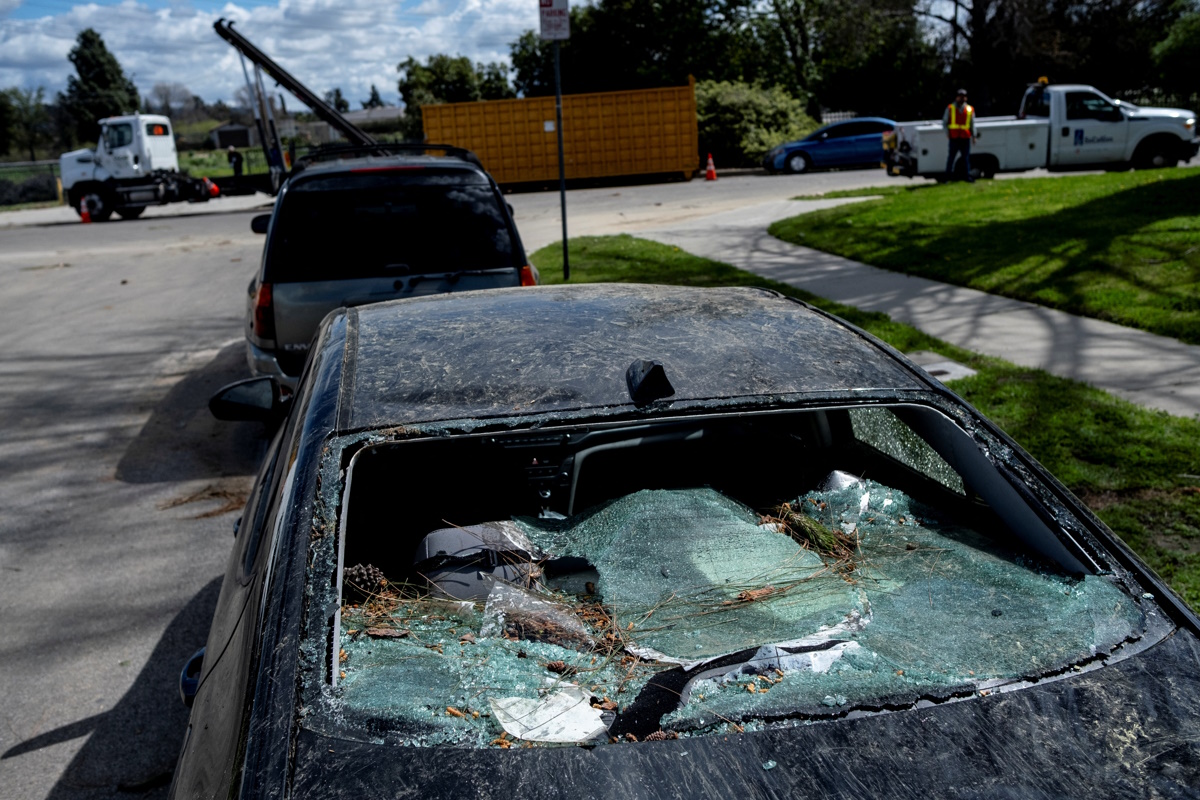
[446, 79]
[374, 101]
[31, 122]
[997, 47]
[7, 121]
[634, 44]
[334, 98]
[824, 52]
[1178, 56]
[100, 88]
[171, 98]
[740, 122]
[493, 81]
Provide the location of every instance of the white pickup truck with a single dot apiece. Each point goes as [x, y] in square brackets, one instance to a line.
[134, 165]
[1059, 127]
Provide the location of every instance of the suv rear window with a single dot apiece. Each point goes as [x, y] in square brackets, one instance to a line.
[390, 222]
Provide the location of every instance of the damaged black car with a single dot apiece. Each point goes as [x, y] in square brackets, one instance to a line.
[643, 541]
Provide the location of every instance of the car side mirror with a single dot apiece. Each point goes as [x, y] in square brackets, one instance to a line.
[511, 213]
[189, 678]
[260, 223]
[252, 399]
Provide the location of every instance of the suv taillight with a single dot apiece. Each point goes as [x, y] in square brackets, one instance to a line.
[264, 313]
[527, 276]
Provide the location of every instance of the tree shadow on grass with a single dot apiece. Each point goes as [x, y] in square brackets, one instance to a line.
[1058, 260]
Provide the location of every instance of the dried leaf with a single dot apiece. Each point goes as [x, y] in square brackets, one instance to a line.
[755, 594]
[387, 633]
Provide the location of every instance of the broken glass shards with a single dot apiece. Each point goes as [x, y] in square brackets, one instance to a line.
[431, 672]
[517, 614]
[679, 611]
[690, 574]
[949, 608]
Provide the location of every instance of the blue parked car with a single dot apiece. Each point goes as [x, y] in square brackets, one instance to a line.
[853, 143]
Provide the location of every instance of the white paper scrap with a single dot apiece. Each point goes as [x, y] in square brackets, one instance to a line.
[564, 716]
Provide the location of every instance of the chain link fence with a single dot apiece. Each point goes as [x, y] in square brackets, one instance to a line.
[29, 182]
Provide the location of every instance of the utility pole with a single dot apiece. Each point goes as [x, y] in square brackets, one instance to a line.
[556, 26]
[562, 169]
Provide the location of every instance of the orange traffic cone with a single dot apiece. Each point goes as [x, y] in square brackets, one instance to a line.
[710, 172]
[84, 214]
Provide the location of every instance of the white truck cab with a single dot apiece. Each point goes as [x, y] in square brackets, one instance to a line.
[1059, 127]
[135, 164]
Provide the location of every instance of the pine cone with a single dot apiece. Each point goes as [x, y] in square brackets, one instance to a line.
[363, 577]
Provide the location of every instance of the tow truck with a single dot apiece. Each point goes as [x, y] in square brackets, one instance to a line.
[1060, 127]
[134, 165]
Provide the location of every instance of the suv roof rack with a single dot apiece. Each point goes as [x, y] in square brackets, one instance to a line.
[336, 151]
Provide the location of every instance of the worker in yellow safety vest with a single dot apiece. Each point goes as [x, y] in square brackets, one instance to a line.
[959, 122]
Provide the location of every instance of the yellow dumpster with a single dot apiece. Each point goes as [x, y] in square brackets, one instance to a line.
[605, 134]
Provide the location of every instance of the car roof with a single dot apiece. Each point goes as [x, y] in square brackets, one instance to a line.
[564, 349]
[367, 162]
[859, 119]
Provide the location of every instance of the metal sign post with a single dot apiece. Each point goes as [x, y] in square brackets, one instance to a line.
[556, 26]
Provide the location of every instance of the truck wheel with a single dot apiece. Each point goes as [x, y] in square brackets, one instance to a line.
[797, 163]
[984, 167]
[130, 212]
[1154, 155]
[99, 206]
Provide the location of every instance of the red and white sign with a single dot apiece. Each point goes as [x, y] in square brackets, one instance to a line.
[556, 19]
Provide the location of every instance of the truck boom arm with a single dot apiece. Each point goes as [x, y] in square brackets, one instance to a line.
[319, 107]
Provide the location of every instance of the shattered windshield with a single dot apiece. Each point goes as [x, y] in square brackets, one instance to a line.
[854, 568]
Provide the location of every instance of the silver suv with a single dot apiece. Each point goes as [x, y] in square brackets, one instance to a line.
[351, 228]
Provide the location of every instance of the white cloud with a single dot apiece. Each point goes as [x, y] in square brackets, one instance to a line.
[324, 43]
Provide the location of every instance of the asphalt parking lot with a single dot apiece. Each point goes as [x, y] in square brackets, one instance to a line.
[119, 491]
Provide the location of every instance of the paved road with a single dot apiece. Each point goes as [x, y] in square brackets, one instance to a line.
[112, 337]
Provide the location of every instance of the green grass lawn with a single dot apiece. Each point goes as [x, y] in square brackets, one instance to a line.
[1123, 247]
[1138, 469]
[215, 163]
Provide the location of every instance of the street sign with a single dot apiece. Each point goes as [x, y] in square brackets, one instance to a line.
[556, 20]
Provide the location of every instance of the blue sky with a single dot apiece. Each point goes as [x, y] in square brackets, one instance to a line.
[325, 43]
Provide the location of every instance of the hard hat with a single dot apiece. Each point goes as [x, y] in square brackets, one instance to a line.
[961, 91]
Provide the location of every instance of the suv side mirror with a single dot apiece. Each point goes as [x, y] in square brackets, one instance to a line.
[248, 400]
[260, 223]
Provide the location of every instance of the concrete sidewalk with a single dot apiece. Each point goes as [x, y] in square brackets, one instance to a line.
[1153, 371]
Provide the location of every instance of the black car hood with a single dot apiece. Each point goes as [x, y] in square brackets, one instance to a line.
[1128, 729]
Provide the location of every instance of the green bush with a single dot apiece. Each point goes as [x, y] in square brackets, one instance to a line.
[740, 122]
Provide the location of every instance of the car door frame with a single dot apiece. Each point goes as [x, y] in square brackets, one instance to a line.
[833, 151]
[1085, 140]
